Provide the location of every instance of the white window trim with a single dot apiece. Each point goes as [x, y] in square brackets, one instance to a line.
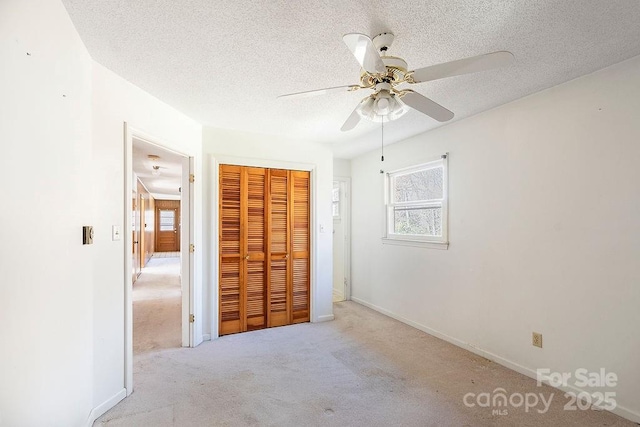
[434, 242]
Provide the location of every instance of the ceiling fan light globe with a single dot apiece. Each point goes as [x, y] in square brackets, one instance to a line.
[383, 106]
[398, 109]
[366, 109]
[396, 114]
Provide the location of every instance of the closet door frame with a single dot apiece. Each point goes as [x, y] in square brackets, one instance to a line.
[215, 163]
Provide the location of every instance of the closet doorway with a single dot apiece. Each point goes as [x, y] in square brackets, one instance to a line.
[264, 248]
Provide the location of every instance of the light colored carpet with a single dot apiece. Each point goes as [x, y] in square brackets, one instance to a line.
[157, 302]
[363, 369]
[166, 254]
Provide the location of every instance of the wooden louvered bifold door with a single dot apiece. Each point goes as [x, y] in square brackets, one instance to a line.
[279, 242]
[300, 207]
[255, 266]
[264, 248]
[230, 248]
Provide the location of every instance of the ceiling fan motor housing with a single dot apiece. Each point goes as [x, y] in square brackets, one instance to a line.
[383, 41]
[396, 71]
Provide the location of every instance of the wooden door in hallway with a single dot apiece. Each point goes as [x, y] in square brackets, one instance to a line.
[264, 251]
[167, 225]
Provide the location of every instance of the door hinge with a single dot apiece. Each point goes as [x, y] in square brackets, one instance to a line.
[192, 178]
[192, 318]
[192, 248]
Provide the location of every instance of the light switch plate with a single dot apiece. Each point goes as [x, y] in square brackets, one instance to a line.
[115, 232]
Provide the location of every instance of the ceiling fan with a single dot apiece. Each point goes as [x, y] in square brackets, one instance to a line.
[384, 74]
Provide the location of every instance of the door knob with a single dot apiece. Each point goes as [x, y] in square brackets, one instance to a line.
[247, 257]
[286, 256]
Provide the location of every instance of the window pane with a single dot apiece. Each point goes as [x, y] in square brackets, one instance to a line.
[418, 186]
[167, 219]
[335, 195]
[418, 221]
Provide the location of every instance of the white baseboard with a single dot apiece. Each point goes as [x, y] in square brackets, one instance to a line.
[325, 318]
[529, 372]
[105, 406]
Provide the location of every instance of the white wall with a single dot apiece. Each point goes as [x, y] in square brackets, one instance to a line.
[46, 295]
[342, 167]
[544, 229]
[271, 151]
[116, 101]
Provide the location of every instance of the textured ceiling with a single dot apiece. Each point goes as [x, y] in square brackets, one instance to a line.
[165, 185]
[223, 63]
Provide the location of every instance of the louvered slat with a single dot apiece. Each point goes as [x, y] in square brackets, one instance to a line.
[256, 212]
[300, 212]
[278, 285]
[229, 290]
[255, 292]
[300, 288]
[230, 210]
[279, 213]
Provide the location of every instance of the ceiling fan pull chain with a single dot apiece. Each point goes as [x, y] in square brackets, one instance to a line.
[382, 139]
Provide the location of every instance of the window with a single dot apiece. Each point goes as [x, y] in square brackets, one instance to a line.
[167, 220]
[335, 197]
[416, 205]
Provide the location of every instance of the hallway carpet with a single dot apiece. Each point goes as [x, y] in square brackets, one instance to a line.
[157, 302]
[363, 369]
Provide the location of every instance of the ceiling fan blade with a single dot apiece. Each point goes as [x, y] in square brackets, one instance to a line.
[474, 64]
[309, 93]
[352, 121]
[426, 106]
[365, 52]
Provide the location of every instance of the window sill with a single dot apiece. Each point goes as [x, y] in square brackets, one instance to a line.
[416, 243]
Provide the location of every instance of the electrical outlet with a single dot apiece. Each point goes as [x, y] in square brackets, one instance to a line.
[537, 340]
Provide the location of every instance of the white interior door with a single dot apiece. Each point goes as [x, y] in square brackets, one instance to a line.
[340, 240]
[186, 256]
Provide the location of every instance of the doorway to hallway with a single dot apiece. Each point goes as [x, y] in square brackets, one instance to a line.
[157, 303]
[157, 288]
[159, 296]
